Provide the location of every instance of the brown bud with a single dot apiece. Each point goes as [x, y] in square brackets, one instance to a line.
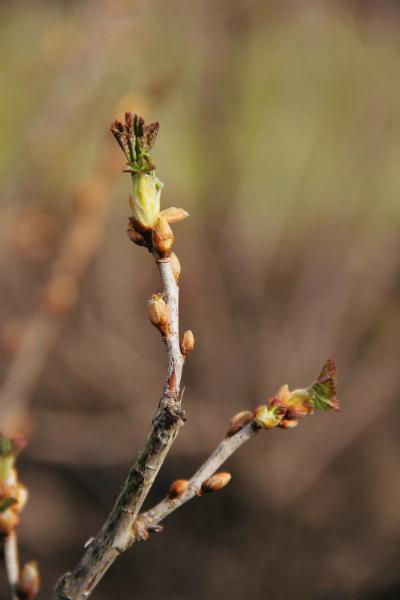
[158, 312]
[177, 488]
[238, 421]
[9, 520]
[216, 482]
[162, 237]
[288, 423]
[136, 236]
[187, 342]
[29, 581]
[176, 266]
[174, 215]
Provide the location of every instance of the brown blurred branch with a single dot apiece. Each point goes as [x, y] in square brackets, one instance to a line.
[115, 536]
[58, 298]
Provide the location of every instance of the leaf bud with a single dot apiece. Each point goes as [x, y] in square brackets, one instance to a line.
[299, 404]
[268, 417]
[187, 342]
[29, 582]
[177, 488]
[238, 421]
[162, 238]
[216, 482]
[174, 215]
[158, 312]
[145, 204]
[9, 520]
[176, 266]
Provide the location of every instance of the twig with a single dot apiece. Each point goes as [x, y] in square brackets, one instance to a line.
[10, 547]
[116, 534]
[59, 297]
[148, 520]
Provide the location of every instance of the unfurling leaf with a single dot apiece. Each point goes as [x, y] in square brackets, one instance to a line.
[323, 391]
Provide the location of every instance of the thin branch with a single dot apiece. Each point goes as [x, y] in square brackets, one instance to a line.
[115, 536]
[10, 547]
[60, 295]
[149, 520]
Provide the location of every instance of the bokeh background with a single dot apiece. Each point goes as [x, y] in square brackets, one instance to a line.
[280, 133]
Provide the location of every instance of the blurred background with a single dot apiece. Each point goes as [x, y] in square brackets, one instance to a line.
[280, 134]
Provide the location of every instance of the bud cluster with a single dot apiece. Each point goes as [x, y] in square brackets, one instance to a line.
[287, 407]
[13, 495]
[13, 498]
[149, 226]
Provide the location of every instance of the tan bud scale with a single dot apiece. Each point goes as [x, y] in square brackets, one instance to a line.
[174, 215]
[216, 482]
[238, 421]
[187, 342]
[158, 311]
[162, 237]
[288, 423]
[176, 266]
[177, 488]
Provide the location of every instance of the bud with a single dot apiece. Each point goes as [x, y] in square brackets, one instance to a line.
[174, 215]
[134, 235]
[216, 482]
[22, 496]
[176, 266]
[29, 582]
[162, 238]
[146, 202]
[158, 312]
[238, 421]
[268, 417]
[187, 342]
[288, 423]
[9, 520]
[177, 488]
[299, 404]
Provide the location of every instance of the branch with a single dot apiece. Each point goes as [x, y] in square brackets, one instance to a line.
[283, 411]
[10, 548]
[148, 521]
[115, 536]
[59, 297]
[149, 227]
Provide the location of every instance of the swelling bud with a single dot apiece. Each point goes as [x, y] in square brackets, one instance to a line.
[162, 238]
[187, 342]
[216, 482]
[145, 204]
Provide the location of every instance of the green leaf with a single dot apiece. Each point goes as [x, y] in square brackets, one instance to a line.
[5, 503]
[323, 391]
[6, 447]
